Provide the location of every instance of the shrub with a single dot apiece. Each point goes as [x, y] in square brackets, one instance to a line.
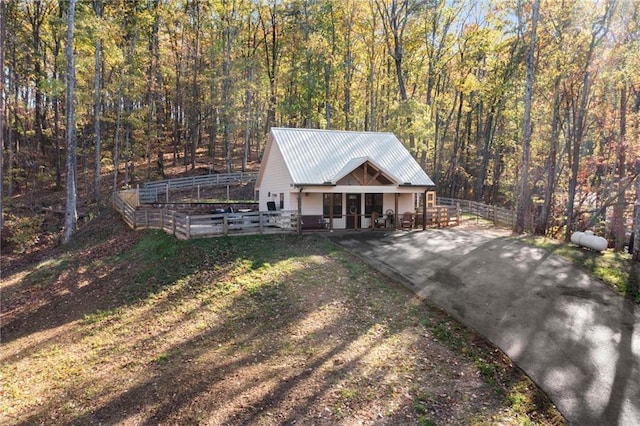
[21, 232]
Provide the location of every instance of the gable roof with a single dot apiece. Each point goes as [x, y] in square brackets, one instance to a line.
[317, 157]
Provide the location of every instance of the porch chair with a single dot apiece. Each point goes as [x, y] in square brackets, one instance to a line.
[377, 221]
[407, 220]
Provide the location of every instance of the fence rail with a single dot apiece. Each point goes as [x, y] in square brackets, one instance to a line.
[497, 215]
[151, 191]
[217, 179]
[134, 206]
[185, 226]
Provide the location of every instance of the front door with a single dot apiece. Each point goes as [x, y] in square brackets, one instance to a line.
[353, 211]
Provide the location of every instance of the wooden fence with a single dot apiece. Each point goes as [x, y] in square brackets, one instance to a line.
[134, 206]
[185, 226]
[441, 216]
[497, 215]
[151, 191]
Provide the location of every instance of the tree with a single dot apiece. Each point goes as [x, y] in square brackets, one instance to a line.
[3, 14]
[579, 103]
[38, 12]
[524, 197]
[229, 34]
[97, 108]
[270, 26]
[636, 217]
[71, 214]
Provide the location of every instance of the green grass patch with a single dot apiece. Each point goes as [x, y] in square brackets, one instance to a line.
[100, 316]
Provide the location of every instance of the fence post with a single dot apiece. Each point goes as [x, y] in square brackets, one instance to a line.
[167, 193]
[173, 220]
[457, 213]
[188, 227]
[198, 198]
[260, 222]
[146, 217]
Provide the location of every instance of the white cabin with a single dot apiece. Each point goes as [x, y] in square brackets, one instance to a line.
[341, 177]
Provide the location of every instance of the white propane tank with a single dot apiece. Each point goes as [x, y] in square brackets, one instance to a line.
[587, 239]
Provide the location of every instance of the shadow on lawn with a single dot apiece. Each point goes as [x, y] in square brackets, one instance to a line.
[231, 363]
[93, 277]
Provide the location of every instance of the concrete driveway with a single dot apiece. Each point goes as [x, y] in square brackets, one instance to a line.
[576, 338]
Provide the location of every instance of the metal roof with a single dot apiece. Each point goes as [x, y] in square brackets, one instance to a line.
[320, 156]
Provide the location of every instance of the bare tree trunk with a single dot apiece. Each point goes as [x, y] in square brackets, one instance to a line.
[618, 209]
[636, 217]
[524, 198]
[3, 12]
[370, 120]
[13, 92]
[248, 118]
[194, 104]
[271, 44]
[177, 114]
[56, 110]
[453, 165]
[37, 12]
[307, 120]
[116, 142]
[487, 138]
[97, 108]
[348, 65]
[71, 213]
[543, 220]
[229, 34]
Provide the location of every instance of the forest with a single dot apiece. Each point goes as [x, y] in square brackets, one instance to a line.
[528, 104]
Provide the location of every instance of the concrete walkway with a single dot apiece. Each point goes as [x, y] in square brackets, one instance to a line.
[576, 338]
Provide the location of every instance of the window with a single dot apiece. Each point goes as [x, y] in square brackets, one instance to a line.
[431, 199]
[281, 201]
[372, 203]
[337, 205]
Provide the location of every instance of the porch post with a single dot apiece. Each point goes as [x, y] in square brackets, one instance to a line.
[331, 210]
[397, 213]
[300, 211]
[424, 211]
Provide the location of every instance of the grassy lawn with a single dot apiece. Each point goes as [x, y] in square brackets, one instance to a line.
[128, 327]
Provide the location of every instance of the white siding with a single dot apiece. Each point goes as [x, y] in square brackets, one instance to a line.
[311, 204]
[406, 203]
[275, 180]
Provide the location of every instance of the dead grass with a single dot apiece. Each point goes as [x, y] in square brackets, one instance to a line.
[138, 328]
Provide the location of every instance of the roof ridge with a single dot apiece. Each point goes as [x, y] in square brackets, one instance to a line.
[302, 129]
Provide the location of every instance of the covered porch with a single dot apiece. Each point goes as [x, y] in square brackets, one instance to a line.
[383, 207]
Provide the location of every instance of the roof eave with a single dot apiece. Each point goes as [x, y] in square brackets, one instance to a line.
[302, 185]
[409, 185]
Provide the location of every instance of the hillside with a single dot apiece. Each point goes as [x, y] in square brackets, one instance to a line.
[136, 327]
